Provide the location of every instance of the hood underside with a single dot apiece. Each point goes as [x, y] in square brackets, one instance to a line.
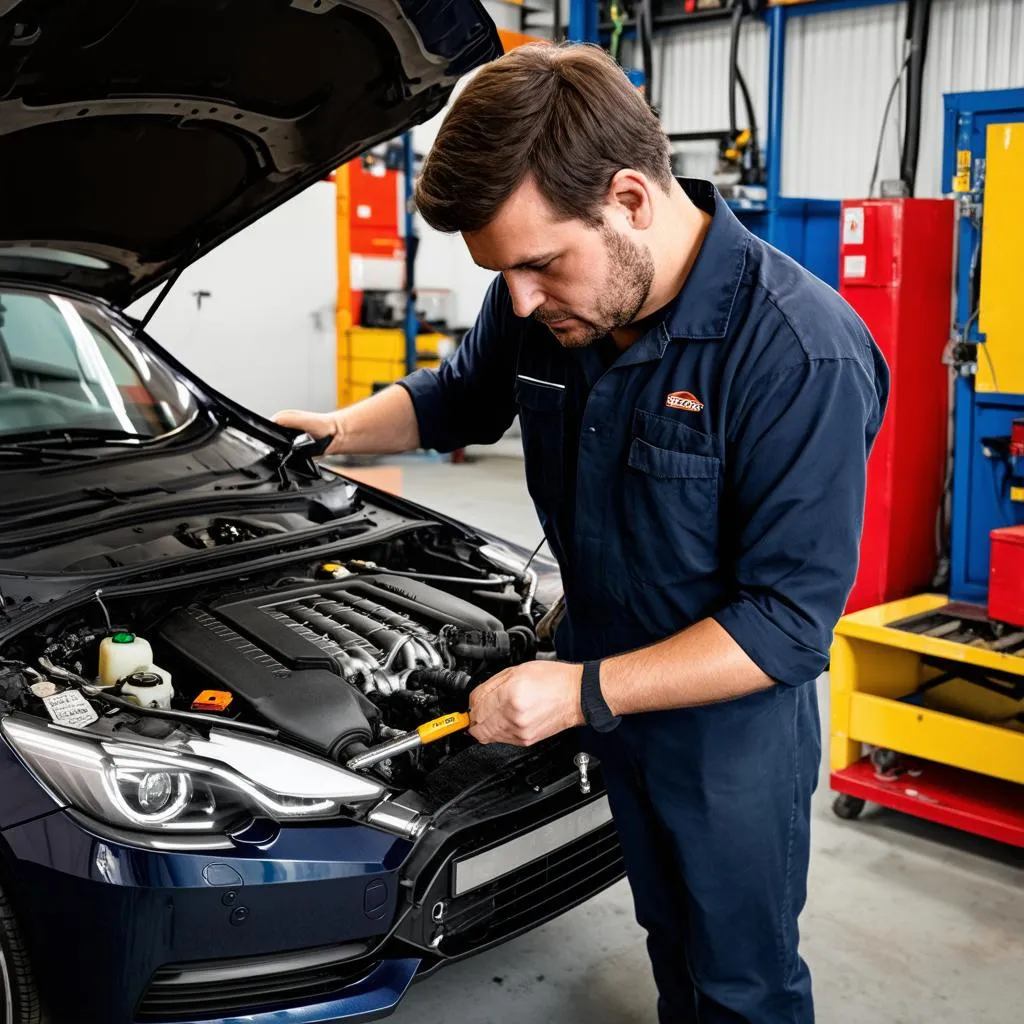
[135, 135]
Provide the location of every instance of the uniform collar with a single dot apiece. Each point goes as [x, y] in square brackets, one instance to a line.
[704, 307]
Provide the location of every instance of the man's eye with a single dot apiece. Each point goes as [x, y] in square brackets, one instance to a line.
[541, 266]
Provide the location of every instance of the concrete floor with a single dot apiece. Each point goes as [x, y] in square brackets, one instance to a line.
[906, 922]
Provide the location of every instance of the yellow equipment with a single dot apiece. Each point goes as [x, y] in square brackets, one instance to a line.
[429, 732]
[915, 678]
[373, 356]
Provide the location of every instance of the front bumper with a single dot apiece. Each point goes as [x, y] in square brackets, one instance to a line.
[325, 924]
[102, 918]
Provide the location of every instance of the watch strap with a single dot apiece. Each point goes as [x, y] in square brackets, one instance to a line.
[596, 712]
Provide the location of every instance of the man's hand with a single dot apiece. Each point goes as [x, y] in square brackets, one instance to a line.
[316, 424]
[383, 424]
[527, 703]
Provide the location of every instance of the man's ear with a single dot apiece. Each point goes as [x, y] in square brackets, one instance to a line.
[629, 197]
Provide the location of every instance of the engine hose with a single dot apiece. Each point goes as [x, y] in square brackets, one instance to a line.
[755, 147]
[514, 646]
[918, 21]
[448, 681]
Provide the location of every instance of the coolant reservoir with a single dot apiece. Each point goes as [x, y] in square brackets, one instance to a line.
[121, 655]
[150, 688]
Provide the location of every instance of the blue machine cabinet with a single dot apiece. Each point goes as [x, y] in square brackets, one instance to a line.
[981, 499]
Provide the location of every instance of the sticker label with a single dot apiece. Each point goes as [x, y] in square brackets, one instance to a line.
[855, 266]
[684, 400]
[962, 177]
[853, 225]
[70, 708]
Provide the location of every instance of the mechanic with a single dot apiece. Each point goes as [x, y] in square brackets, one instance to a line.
[697, 411]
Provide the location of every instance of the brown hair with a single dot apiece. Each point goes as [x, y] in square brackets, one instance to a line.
[566, 115]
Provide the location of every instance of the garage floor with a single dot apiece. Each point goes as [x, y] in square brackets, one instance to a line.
[906, 923]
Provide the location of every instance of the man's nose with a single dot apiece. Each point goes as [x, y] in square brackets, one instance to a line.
[526, 296]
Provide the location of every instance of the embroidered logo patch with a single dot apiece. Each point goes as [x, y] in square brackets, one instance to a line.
[684, 400]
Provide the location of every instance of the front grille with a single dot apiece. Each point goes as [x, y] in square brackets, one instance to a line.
[218, 988]
[534, 892]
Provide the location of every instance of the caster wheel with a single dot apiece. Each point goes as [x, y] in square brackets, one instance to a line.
[885, 762]
[847, 807]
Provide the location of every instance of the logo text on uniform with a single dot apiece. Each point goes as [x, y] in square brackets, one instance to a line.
[684, 400]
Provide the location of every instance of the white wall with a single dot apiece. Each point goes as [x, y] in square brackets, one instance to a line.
[265, 336]
[691, 86]
[839, 69]
[442, 261]
[504, 15]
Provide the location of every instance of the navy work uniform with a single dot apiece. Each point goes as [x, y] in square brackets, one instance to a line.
[714, 468]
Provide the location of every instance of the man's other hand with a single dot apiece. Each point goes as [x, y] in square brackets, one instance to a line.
[526, 703]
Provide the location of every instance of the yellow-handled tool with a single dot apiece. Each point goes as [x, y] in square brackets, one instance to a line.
[438, 728]
[429, 732]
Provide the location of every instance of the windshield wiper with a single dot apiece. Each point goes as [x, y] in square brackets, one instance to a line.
[36, 455]
[73, 437]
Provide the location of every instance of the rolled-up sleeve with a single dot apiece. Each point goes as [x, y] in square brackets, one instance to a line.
[795, 491]
[470, 397]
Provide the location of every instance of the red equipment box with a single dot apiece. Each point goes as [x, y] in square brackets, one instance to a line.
[1017, 438]
[1006, 576]
[896, 264]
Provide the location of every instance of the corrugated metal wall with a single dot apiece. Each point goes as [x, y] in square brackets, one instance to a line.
[691, 67]
[839, 69]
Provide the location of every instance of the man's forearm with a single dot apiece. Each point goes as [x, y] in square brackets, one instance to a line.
[382, 424]
[700, 665]
[529, 702]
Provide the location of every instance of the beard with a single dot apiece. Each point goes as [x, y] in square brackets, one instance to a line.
[621, 297]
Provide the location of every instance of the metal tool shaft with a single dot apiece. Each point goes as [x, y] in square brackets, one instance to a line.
[381, 753]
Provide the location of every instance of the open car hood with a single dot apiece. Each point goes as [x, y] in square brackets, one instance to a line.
[136, 135]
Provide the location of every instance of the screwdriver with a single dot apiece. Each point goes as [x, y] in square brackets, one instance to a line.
[435, 729]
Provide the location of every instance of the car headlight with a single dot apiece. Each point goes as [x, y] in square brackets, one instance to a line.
[203, 786]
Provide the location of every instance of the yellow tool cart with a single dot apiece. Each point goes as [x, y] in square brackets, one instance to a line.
[927, 692]
[937, 691]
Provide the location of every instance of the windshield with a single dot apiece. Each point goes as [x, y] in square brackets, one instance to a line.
[63, 365]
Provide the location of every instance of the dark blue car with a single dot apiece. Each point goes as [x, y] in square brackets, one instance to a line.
[205, 634]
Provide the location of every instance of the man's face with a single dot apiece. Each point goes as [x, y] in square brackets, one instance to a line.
[580, 281]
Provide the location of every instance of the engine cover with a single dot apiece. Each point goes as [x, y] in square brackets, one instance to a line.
[285, 652]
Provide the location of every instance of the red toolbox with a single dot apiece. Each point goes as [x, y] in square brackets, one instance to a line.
[1006, 576]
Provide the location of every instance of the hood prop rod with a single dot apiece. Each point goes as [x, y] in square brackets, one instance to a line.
[147, 317]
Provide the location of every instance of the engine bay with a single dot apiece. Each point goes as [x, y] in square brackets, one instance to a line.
[330, 658]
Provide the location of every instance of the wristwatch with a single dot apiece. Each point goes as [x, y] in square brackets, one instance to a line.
[596, 712]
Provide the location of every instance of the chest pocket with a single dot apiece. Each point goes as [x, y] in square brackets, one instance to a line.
[671, 503]
[541, 407]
